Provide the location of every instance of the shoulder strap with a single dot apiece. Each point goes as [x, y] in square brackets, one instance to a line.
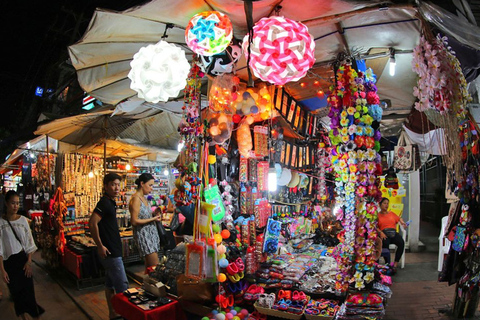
[14, 232]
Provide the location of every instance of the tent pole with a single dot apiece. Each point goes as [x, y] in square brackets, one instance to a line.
[105, 157]
[48, 164]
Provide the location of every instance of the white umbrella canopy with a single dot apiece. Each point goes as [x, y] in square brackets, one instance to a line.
[102, 57]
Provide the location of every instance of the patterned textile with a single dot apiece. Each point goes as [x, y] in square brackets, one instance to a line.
[146, 235]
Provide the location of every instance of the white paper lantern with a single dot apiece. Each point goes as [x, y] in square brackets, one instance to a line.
[159, 72]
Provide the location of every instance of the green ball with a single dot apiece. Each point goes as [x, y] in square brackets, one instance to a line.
[238, 309]
[216, 228]
[205, 318]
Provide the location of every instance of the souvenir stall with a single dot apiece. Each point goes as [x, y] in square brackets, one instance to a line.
[83, 185]
[283, 209]
[445, 105]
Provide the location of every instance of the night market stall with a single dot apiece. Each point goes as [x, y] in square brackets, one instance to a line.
[280, 200]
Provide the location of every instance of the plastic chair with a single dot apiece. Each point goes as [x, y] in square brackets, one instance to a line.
[443, 244]
[403, 233]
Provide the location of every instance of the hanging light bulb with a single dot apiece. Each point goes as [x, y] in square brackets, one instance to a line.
[180, 146]
[90, 174]
[165, 172]
[392, 62]
[272, 178]
[128, 167]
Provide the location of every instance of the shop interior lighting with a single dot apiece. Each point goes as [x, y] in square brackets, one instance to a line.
[180, 146]
[128, 167]
[272, 178]
[165, 172]
[392, 62]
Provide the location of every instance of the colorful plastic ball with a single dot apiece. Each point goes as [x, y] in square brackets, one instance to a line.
[205, 318]
[223, 263]
[221, 277]
[236, 318]
[241, 315]
[212, 159]
[281, 51]
[244, 312]
[222, 256]
[236, 118]
[208, 33]
[217, 237]
[229, 315]
[238, 309]
[216, 228]
[214, 312]
[233, 312]
[225, 234]
[221, 249]
[220, 316]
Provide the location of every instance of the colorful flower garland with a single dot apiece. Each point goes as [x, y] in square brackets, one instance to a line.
[356, 162]
[441, 83]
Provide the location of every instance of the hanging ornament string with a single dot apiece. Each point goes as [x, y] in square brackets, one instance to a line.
[248, 7]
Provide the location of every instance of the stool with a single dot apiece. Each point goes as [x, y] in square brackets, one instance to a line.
[386, 255]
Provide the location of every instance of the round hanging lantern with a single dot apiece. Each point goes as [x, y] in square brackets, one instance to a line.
[159, 72]
[281, 51]
[223, 62]
[208, 33]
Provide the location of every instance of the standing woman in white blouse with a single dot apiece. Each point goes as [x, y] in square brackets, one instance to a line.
[16, 249]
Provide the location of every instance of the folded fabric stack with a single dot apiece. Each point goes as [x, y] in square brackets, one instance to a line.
[362, 306]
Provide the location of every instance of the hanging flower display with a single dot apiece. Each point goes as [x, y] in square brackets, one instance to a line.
[209, 33]
[441, 83]
[159, 72]
[352, 98]
[281, 50]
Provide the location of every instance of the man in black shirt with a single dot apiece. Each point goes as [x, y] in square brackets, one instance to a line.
[104, 230]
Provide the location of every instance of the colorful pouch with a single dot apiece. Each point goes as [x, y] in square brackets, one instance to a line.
[459, 239]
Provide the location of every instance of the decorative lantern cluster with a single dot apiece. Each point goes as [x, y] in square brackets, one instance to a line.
[244, 139]
[281, 50]
[220, 127]
[209, 33]
[159, 72]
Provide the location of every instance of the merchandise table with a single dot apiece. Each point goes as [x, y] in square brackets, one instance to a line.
[130, 311]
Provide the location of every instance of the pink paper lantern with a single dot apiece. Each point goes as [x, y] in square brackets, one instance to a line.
[281, 51]
[209, 33]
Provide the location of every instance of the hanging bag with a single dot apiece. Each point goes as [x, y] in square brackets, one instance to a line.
[407, 155]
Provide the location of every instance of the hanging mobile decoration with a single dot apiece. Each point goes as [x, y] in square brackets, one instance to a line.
[209, 33]
[281, 50]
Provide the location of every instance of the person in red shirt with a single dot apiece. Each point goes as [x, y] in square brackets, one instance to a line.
[387, 223]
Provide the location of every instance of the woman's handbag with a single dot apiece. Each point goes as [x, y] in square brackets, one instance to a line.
[167, 240]
[175, 223]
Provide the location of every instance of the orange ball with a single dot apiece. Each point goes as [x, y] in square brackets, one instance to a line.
[225, 234]
[221, 277]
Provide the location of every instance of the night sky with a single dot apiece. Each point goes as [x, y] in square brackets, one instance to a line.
[36, 35]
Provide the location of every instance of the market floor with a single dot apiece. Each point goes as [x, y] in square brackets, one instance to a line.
[50, 295]
[417, 295]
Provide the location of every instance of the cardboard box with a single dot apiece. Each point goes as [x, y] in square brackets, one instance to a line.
[157, 288]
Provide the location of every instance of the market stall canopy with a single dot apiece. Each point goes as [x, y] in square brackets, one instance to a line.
[102, 57]
[116, 148]
[36, 145]
[128, 134]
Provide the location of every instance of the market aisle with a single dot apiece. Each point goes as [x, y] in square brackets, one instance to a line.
[417, 295]
[49, 295]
